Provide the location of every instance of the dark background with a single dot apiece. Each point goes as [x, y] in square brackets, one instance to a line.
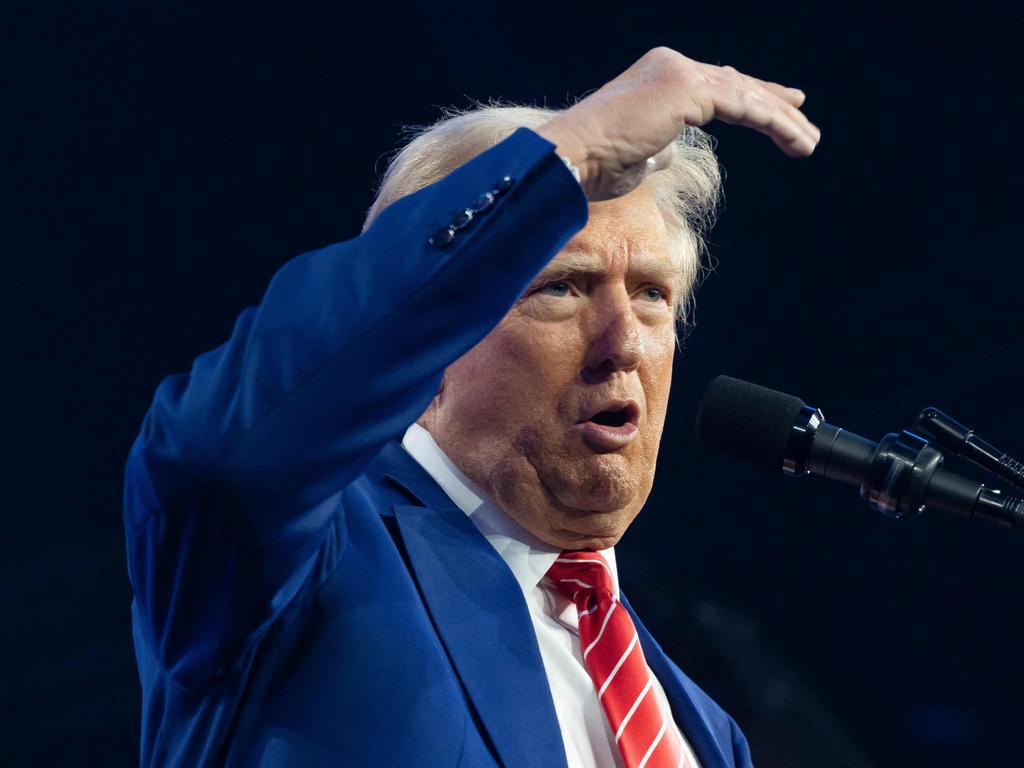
[160, 161]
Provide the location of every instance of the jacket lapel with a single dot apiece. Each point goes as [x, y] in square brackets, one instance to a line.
[697, 728]
[481, 617]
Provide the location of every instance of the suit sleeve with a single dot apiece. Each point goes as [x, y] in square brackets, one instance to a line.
[224, 485]
[740, 747]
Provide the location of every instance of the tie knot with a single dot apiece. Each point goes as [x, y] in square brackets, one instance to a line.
[579, 574]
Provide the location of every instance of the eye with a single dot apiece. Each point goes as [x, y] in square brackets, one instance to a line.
[557, 288]
[653, 294]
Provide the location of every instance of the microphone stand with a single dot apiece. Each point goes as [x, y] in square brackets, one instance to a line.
[899, 476]
[961, 441]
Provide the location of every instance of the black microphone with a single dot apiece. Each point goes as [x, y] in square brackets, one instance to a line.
[900, 475]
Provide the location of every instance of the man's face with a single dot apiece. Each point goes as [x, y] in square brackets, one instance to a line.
[558, 412]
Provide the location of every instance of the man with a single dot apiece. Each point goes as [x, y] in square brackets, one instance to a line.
[310, 592]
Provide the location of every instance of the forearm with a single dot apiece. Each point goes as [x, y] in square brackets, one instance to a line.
[343, 353]
[347, 346]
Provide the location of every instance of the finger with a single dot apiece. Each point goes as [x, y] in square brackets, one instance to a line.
[767, 114]
[798, 117]
[793, 96]
[813, 131]
[793, 132]
[741, 100]
[794, 135]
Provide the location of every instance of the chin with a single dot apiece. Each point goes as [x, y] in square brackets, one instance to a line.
[582, 540]
[600, 483]
[597, 494]
[578, 529]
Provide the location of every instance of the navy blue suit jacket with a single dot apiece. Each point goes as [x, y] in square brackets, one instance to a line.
[304, 593]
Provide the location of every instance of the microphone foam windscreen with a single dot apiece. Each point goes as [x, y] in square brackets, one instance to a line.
[746, 420]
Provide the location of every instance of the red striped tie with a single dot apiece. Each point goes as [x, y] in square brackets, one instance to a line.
[646, 737]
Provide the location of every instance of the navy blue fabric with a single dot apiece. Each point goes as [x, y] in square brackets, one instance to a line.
[304, 594]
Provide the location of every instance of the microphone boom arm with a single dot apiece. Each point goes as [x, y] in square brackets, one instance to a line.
[899, 476]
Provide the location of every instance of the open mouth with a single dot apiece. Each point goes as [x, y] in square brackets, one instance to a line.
[612, 413]
[611, 418]
[610, 425]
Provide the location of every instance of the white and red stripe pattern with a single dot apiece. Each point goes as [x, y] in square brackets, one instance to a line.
[646, 736]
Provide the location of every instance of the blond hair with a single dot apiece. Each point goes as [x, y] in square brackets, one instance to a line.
[686, 192]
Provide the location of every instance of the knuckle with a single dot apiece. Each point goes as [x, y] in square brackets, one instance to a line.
[746, 89]
[661, 53]
[665, 63]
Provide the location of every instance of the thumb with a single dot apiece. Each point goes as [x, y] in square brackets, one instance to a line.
[630, 178]
[663, 159]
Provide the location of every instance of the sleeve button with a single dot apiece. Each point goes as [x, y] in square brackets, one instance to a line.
[442, 237]
[502, 186]
[485, 201]
[462, 219]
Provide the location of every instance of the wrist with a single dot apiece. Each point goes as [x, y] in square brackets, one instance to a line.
[568, 147]
[572, 169]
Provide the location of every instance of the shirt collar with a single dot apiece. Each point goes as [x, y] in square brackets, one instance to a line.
[527, 557]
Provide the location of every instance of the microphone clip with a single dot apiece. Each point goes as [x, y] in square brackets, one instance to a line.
[901, 470]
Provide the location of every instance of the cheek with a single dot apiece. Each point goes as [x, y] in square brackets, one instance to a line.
[511, 373]
[658, 381]
[523, 336]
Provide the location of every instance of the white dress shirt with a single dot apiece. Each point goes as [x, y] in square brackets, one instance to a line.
[586, 733]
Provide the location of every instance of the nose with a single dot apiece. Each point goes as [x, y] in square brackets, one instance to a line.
[614, 340]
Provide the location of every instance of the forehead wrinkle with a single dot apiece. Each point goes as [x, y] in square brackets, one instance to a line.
[577, 260]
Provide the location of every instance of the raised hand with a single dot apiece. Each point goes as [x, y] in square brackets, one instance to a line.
[626, 129]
